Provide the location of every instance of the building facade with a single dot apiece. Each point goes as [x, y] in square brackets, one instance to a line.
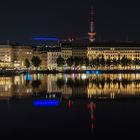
[115, 51]
[79, 51]
[52, 54]
[66, 51]
[6, 56]
[13, 56]
[20, 53]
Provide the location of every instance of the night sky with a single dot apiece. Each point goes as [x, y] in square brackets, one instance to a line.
[20, 20]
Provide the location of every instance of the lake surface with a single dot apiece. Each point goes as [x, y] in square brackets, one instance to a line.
[63, 106]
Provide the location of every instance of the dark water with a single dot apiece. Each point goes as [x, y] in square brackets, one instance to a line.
[20, 119]
[77, 115]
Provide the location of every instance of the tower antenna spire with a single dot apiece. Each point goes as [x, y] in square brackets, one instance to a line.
[92, 32]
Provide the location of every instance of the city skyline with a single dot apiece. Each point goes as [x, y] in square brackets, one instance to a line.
[114, 21]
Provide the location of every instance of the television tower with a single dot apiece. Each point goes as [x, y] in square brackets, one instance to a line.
[92, 33]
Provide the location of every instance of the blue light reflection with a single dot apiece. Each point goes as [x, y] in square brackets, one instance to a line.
[87, 72]
[28, 77]
[97, 72]
[43, 103]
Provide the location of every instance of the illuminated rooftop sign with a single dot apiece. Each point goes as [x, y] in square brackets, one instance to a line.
[45, 102]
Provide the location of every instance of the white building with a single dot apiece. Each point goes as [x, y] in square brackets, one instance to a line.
[52, 54]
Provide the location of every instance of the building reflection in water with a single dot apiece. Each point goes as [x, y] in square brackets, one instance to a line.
[71, 86]
[6, 88]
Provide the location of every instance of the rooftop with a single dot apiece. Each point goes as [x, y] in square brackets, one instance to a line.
[114, 44]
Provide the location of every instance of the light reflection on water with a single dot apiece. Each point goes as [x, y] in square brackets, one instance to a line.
[71, 85]
[61, 93]
[45, 103]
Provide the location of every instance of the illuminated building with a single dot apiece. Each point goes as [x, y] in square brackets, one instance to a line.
[14, 55]
[6, 56]
[6, 53]
[79, 51]
[107, 50]
[66, 51]
[52, 54]
[42, 54]
[114, 51]
[21, 53]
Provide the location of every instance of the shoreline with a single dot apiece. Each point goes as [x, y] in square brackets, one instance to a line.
[15, 72]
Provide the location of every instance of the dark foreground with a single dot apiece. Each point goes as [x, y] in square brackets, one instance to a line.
[19, 119]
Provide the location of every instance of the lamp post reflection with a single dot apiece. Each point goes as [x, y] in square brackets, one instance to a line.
[70, 103]
[92, 108]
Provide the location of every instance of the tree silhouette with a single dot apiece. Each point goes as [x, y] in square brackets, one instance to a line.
[136, 62]
[86, 61]
[102, 61]
[96, 62]
[108, 62]
[70, 62]
[76, 61]
[36, 84]
[27, 63]
[27, 82]
[70, 82]
[36, 61]
[60, 61]
[60, 83]
[114, 62]
[124, 61]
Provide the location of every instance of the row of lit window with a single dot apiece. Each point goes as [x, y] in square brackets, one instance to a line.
[108, 48]
[112, 52]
